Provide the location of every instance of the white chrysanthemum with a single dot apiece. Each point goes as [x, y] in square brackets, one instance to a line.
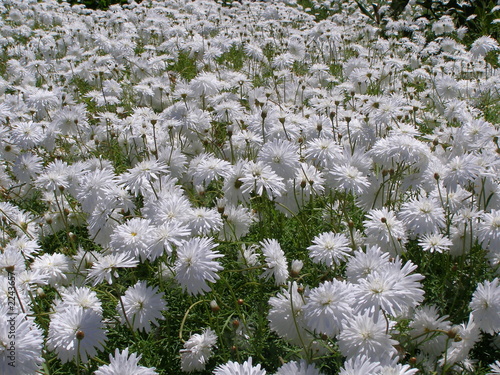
[197, 351]
[275, 261]
[365, 334]
[106, 267]
[24, 357]
[495, 368]
[203, 221]
[133, 237]
[195, 265]
[485, 306]
[282, 156]
[383, 229]
[350, 179]
[286, 316]
[298, 368]
[326, 307]
[259, 177]
[234, 368]
[364, 263]
[467, 334]
[142, 305]
[330, 248]
[79, 296]
[361, 365]
[398, 369]
[422, 216]
[165, 236]
[76, 331]
[489, 230]
[139, 179]
[55, 266]
[122, 364]
[435, 242]
[427, 329]
[391, 288]
[481, 46]
[237, 221]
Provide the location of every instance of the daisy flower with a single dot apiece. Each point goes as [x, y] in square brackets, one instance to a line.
[165, 236]
[259, 177]
[435, 242]
[422, 216]
[202, 220]
[234, 368]
[286, 316]
[106, 267]
[133, 237]
[24, 357]
[195, 265]
[330, 248]
[275, 261]
[424, 325]
[469, 334]
[140, 178]
[122, 364]
[365, 334]
[383, 229]
[76, 331]
[141, 305]
[55, 266]
[282, 156]
[197, 351]
[361, 365]
[298, 368]
[364, 263]
[485, 306]
[326, 307]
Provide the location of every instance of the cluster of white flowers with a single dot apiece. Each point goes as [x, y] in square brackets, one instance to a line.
[149, 134]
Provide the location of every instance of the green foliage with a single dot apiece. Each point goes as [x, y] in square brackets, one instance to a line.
[97, 4]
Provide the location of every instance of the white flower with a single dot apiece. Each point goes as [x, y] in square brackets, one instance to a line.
[197, 351]
[383, 229]
[365, 334]
[122, 364]
[485, 306]
[481, 46]
[466, 338]
[298, 368]
[76, 331]
[435, 242]
[489, 230]
[330, 248]
[140, 178]
[259, 177]
[326, 307]
[24, 357]
[275, 261]
[133, 237]
[390, 288]
[361, 365]
[141, 305]
[364, 263]
[55, 266]
[234, 368]
[286, 316]
[195, 265]
[422, 216]
[106, 267]
[203, 220]
[425, 327]
[282, 156]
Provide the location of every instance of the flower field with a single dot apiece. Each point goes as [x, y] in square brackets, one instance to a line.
[248, 188]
